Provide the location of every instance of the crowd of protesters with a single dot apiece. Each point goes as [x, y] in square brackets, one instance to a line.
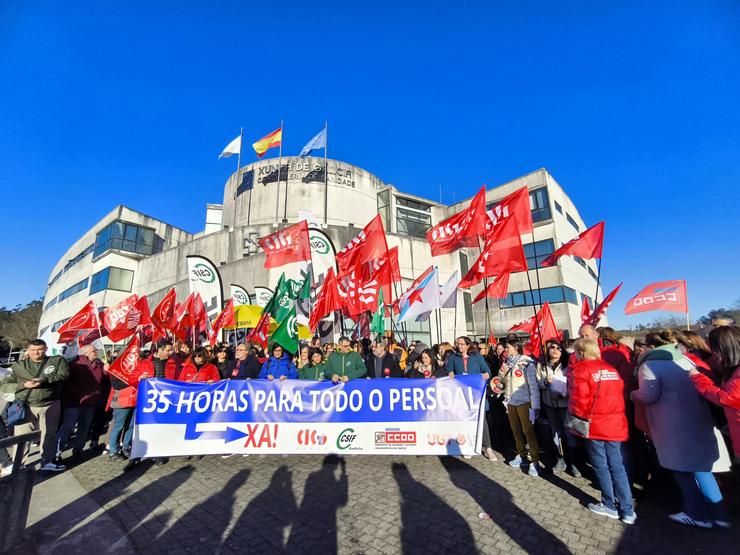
[594, 404]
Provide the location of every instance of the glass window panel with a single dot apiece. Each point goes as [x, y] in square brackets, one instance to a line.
[120, 279]
[146, 236]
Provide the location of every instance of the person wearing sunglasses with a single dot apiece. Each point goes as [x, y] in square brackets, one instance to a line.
[552, 376]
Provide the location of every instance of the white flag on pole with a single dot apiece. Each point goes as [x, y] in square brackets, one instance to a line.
[319, 141]
[234, 147]
[448, 292]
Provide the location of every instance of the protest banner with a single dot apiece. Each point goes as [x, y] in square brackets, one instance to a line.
[385, 416]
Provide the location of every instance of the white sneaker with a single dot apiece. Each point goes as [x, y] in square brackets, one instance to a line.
[228, 456]
[516, 462]
[467, 457]
[533, 470]
[51, 467]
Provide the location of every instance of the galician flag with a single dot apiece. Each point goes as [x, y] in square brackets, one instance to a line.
[286, 334]
[421, 297]
[319, 141]
[234, 147]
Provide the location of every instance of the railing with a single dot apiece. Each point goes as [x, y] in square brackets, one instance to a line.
[15, 493]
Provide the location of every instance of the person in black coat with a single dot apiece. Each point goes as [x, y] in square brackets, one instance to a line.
[382, 364]
[426, 366]
[246, 366]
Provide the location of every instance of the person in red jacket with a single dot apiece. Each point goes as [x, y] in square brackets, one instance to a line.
[725, 343]
[196, 369]
[597, 396]
[161, 364]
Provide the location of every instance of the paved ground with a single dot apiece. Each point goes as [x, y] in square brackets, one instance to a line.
[364, 504]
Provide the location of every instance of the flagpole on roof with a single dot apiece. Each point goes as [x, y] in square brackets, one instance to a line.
[326, 174]
[285, 206]
[277, 187]
[238, 167]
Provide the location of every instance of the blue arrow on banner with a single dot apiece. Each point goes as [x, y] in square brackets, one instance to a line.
[228, 435]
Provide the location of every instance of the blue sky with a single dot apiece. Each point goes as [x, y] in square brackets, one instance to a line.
[632, 106]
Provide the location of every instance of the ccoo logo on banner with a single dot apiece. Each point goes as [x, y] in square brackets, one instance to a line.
[387, 416]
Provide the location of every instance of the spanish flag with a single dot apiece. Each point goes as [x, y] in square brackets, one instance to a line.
[269, 141]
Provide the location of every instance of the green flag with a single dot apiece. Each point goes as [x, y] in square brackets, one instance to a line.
[286, 334]
[283, 300]
[305, 292]
[378, 323]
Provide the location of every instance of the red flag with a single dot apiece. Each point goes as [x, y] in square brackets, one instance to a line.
[517, 205]
[124, 367]
[585, 310]
[181, 317]
[496, 289]
[368, 245]
[197, 311]
[661, 295]
[362, 295]
[261, 332]
[503, 252]
[327, 301]
[491, 339]
[542, 331]
[525, 326]
[115, 315]
[139, 315]
[89, 336]
[85, 319]
[387, 271]
[588, 244]
[164, 312]
[601, 308]
[287, 245]
[226, 318]
[460, 230]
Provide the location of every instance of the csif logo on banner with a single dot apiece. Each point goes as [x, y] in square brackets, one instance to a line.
[319, 244]
[240, 298]
[346, 438]
[203, 273]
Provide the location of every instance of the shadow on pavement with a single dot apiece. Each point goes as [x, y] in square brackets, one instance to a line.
[497, 502]
[203, 525]
[260, 527]
[426, 519]
[315, 526]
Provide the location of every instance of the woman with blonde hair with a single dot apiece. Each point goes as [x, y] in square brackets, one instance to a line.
[596, 413]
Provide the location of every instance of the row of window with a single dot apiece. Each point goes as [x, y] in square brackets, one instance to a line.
[76, 288]
[71, 262]
[559, 294]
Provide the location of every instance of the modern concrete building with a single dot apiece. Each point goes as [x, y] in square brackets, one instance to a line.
[129, 252]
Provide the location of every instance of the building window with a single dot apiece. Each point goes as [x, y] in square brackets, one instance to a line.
[412, 222]
[58, 324]
[384, 208]
[571, 221]
[401, 201]
[544, 249]
[126, 237]
[585, 298]
[558, 207]
[56, 277]
[76, 288]
[590, 271]
[79, 257]
[116, 279]
[540, 204]
[464, 266]
[580, 261]
[560, 294]
[50, 304]
[468, 305]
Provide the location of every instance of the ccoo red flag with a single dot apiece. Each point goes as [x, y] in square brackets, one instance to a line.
[516, 205]
[496, 289]
[585, 310]
[124, 367]
[587, 245]
[368, 245]
[139, 315]
[460, 230]
[661, 295]
[503, 252]
[85, 319]
[287, 245]
[543, 330]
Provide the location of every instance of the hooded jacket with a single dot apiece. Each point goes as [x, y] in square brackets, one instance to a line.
[345, 364]
[597, 393]
[519, 378]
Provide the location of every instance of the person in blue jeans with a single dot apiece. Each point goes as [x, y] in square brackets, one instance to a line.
[597, 398]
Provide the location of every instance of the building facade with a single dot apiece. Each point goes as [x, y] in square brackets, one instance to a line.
[128, 252]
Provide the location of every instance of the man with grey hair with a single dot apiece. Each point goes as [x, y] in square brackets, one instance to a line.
[587, 331]
[82, 392]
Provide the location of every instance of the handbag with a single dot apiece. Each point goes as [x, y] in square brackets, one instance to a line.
[582, 426]
[14, 413]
